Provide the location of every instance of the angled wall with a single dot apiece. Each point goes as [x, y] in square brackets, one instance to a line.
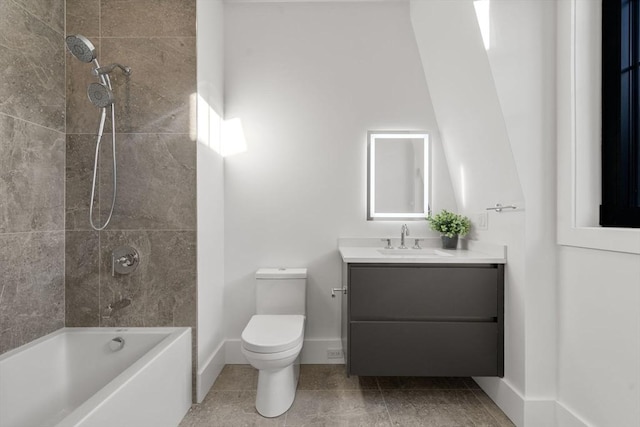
[466, 104]
[495, 111]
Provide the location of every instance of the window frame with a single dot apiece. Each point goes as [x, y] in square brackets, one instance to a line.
[620, 126]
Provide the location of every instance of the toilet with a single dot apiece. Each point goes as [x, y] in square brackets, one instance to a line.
[273, 338]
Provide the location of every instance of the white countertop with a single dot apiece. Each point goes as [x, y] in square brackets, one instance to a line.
[368, 250]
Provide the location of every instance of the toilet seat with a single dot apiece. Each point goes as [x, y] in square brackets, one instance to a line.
[273, 333]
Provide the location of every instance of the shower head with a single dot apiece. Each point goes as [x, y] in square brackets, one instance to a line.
[100, 95]
[81, 48]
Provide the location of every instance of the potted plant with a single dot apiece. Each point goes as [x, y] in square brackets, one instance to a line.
[450, 225]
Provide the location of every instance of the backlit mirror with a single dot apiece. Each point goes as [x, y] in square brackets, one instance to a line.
[398, 175]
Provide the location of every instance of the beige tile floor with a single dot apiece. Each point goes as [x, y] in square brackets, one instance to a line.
[326, 397]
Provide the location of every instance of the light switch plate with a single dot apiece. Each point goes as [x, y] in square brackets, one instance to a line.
[482, 221]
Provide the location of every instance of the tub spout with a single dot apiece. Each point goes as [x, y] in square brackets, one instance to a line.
[115, 306]
[119, 305]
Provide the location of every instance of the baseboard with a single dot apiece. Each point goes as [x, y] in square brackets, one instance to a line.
[566, 418]
[523, 412]
[209, 371]
[314, 351]
[508, 399]
[540, 413]
[233, 354]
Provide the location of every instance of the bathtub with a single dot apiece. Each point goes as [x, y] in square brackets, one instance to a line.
[95, 377]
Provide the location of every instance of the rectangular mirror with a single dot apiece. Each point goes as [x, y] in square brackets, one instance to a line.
[398, 177]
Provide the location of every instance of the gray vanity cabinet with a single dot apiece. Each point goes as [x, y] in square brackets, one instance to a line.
[424, 319]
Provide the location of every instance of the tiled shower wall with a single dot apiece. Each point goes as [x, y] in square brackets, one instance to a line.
[32, 134]
[156, 157]
[156, 201]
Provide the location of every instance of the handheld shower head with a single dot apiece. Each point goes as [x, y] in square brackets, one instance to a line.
[100, 95]
[81, 47]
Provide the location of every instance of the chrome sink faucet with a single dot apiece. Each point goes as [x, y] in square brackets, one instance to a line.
[404, 231]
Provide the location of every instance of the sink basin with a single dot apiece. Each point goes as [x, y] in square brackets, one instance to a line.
[422, 253]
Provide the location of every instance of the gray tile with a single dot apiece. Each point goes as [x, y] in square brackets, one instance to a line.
[31, 286]
[231, 402]
[163, 288]
[424, 383]
[332, 377]
[82, 278]
[338, 408]
[493, 409]
[159, 95]
[8, 339]
[83, 17]
[51, 12]
[228, 408]
[31, 68]
[122, 18]
[156, 182]
[437, 408]
[80, 152]
[31, 177]
[237, 377]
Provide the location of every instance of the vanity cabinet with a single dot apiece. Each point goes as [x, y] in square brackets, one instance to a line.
[423, 319]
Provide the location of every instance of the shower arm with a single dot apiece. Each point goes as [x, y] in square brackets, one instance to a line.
[104, 78]
[98, 71]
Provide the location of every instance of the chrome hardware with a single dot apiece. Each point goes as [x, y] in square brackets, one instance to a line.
[98, 71]
[124, 260]
[404, 231]
[498, 207]
[115, 306]
[388, 243]
[116, 344]
[334, 290]
[416, 245]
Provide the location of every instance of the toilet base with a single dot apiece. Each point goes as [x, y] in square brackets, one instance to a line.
[277, 389]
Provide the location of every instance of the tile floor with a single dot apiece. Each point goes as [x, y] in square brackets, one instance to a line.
[326, 397]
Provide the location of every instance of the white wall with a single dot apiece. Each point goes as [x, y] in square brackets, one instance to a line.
[522, 59]
[308, 80]
[467, 108]
[598, 268]
[499, 127]
[210, 194]
[599, 336]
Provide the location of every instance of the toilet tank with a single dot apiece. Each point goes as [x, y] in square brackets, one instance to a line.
[281, 291]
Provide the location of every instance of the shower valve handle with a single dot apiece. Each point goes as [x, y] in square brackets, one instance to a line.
[124, 260]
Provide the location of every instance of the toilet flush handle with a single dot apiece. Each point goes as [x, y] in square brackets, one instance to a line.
[334, 290]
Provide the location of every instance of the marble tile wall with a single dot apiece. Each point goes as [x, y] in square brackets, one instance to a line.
[156, 158]
[32, 170]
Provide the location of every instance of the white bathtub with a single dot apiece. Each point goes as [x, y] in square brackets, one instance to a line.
[73, 377]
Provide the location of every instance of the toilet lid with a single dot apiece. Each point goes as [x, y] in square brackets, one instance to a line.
[272, 333]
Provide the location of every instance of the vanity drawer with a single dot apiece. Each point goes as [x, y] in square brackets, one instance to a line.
[423, 293]
[423, 349]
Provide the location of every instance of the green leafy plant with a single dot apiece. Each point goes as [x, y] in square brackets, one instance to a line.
[449, 223]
